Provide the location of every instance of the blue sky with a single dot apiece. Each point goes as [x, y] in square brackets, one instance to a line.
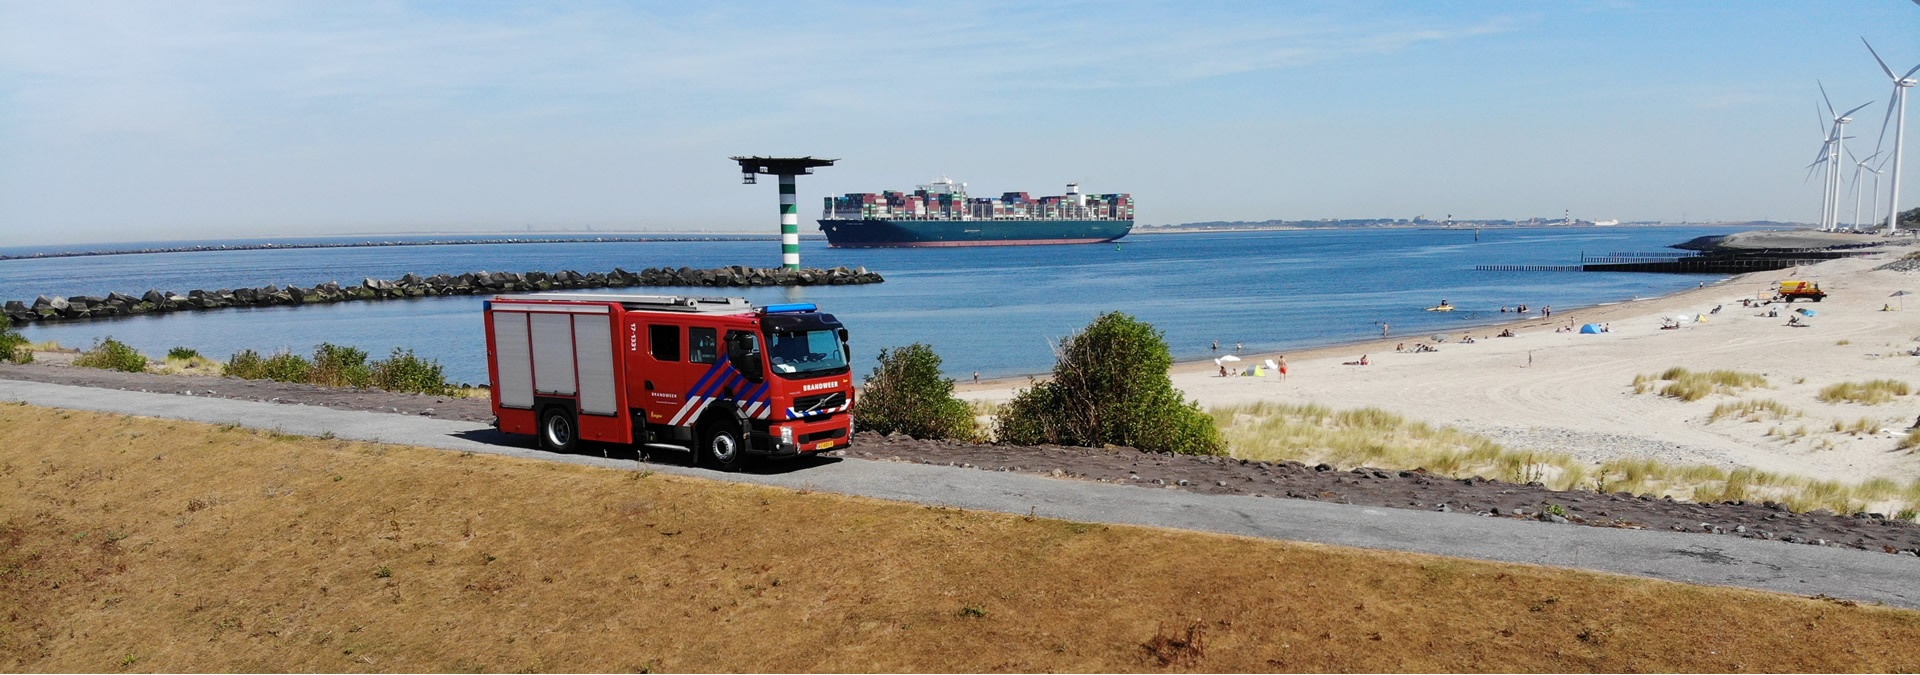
[146, 121]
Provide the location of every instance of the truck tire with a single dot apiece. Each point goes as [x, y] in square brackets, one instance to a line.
[558, 430]
[721, 447]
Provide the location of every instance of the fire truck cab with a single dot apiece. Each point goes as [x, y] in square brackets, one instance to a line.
[717, 376]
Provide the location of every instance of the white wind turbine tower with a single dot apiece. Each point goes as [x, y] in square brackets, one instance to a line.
[1839, 137]
[1858, 166]
[1901, 84]
[1823, 162]
[1873, 214]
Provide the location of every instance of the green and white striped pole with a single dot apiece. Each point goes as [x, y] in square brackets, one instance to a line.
[789, 224]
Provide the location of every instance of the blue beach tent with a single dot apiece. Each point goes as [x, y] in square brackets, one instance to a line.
[1593, 328]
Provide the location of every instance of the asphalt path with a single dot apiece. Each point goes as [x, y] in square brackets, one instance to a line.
[1692, 558]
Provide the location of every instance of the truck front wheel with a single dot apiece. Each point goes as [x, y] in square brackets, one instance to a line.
[720, 446]
[558, 433]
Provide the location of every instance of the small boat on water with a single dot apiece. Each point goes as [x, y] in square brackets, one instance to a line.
[1442, 307]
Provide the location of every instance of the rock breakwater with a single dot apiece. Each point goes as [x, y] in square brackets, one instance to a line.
[79, 307]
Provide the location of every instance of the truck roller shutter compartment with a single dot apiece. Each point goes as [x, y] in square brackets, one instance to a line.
[514, 359]
[552, 353]
[593, 347]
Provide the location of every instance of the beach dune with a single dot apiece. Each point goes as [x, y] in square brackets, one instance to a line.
[1552, 389]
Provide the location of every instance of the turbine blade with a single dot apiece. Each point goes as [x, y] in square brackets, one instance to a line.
[1916, 67]
[1856, 109]
[1823, 97]
[1877, 59]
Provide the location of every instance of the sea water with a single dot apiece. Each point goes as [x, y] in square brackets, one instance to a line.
[996, 310]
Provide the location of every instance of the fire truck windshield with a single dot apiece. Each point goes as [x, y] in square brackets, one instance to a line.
[804, 353]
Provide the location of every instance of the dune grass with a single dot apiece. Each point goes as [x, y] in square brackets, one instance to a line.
[1874, 392]
[1752, 410]
[136, 544]
[1688, 385]
[1373, 437]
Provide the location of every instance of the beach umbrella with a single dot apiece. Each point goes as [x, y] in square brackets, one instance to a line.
[1902, 295]
[1225, 359]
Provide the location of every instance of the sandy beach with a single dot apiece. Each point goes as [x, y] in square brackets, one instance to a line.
[1570, 392]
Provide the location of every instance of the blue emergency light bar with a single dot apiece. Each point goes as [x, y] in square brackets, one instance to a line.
[790, 308]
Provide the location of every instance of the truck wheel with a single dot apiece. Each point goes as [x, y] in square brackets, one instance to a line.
[720, 446]
[558, 432]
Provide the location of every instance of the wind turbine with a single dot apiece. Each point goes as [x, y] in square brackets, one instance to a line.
[1823, 162]
[1901, 84]
[1858, 166]
[1874, 213]
[1840, 121]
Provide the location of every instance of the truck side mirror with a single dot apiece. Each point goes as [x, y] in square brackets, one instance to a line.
[846, 348]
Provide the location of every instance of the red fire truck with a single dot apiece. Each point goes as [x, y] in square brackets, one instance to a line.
[714, 375]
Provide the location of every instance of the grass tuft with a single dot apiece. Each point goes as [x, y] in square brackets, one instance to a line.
[1688, 385]
[1873, 392]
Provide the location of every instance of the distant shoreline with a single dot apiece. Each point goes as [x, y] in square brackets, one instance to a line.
[501, 238]
[479, 239]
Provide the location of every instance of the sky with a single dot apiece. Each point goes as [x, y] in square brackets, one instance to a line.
[144, 121]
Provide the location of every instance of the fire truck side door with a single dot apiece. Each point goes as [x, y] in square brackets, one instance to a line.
[658, 371]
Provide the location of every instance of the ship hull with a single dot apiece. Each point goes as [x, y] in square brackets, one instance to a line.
[887, 233]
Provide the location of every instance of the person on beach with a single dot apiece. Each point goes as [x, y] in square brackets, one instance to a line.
[1223, 371]
[976, 377]
[1216, 345]
[1400, 347]
[1383, 329]
[1283, 366]
[1546, 311]
[1236, 347]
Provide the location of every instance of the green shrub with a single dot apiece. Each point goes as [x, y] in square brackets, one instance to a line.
[338, 366]
[183, 353]
[111, 354]
[1111, 386]
[286, 367]
[13, 345]
[404, 372]
[906, 394]
[247, 364]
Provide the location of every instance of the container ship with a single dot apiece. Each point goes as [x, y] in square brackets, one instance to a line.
[941, 214]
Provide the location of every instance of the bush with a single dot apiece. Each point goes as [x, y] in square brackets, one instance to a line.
[111, 354]
[338, 366]
[404, 372]
[183, 353]
[13, 345]
[286, 367]
[1111, 386]
[906, 394]
[247, 364]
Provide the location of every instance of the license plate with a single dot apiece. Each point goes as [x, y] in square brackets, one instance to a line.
[823, 445]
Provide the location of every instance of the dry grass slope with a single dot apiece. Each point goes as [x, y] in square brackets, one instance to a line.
[132, 544]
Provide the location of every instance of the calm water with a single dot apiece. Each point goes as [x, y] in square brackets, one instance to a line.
[995, 310]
